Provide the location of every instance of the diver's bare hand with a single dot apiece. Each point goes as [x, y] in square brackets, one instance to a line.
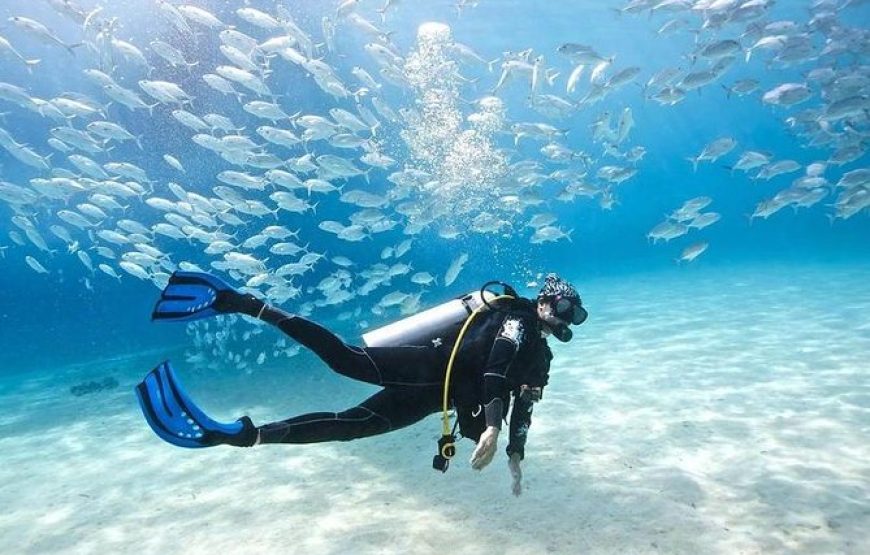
[516, 473]
[486, 448]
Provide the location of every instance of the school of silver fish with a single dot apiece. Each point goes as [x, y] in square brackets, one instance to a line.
[437, 162]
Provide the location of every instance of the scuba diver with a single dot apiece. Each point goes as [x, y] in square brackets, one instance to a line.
[502, 353]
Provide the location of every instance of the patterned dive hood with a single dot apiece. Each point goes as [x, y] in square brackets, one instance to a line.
[554, 286]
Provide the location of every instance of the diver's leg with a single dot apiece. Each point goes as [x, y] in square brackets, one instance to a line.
[387, 410]
[345, 359]
[348, 360]
[386, 366]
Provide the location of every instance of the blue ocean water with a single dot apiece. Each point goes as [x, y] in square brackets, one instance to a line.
[603, 242]
[61, 322]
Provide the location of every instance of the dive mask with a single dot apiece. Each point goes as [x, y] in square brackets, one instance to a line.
[570, 310]
[566, 306]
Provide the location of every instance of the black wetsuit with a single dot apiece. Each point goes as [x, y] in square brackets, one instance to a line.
[501, 351]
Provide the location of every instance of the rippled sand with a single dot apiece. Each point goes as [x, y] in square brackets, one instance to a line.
[699, 411]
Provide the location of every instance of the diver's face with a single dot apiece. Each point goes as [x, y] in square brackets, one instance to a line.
[545, 313]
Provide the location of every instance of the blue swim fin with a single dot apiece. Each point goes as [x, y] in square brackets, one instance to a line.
[177, 420]
[190, 296]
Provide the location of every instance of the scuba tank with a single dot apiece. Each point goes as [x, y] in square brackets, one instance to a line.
[441, 322]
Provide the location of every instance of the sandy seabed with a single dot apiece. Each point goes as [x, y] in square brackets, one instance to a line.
[698, 411]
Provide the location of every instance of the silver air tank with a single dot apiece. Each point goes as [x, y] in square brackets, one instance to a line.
[430, 327]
